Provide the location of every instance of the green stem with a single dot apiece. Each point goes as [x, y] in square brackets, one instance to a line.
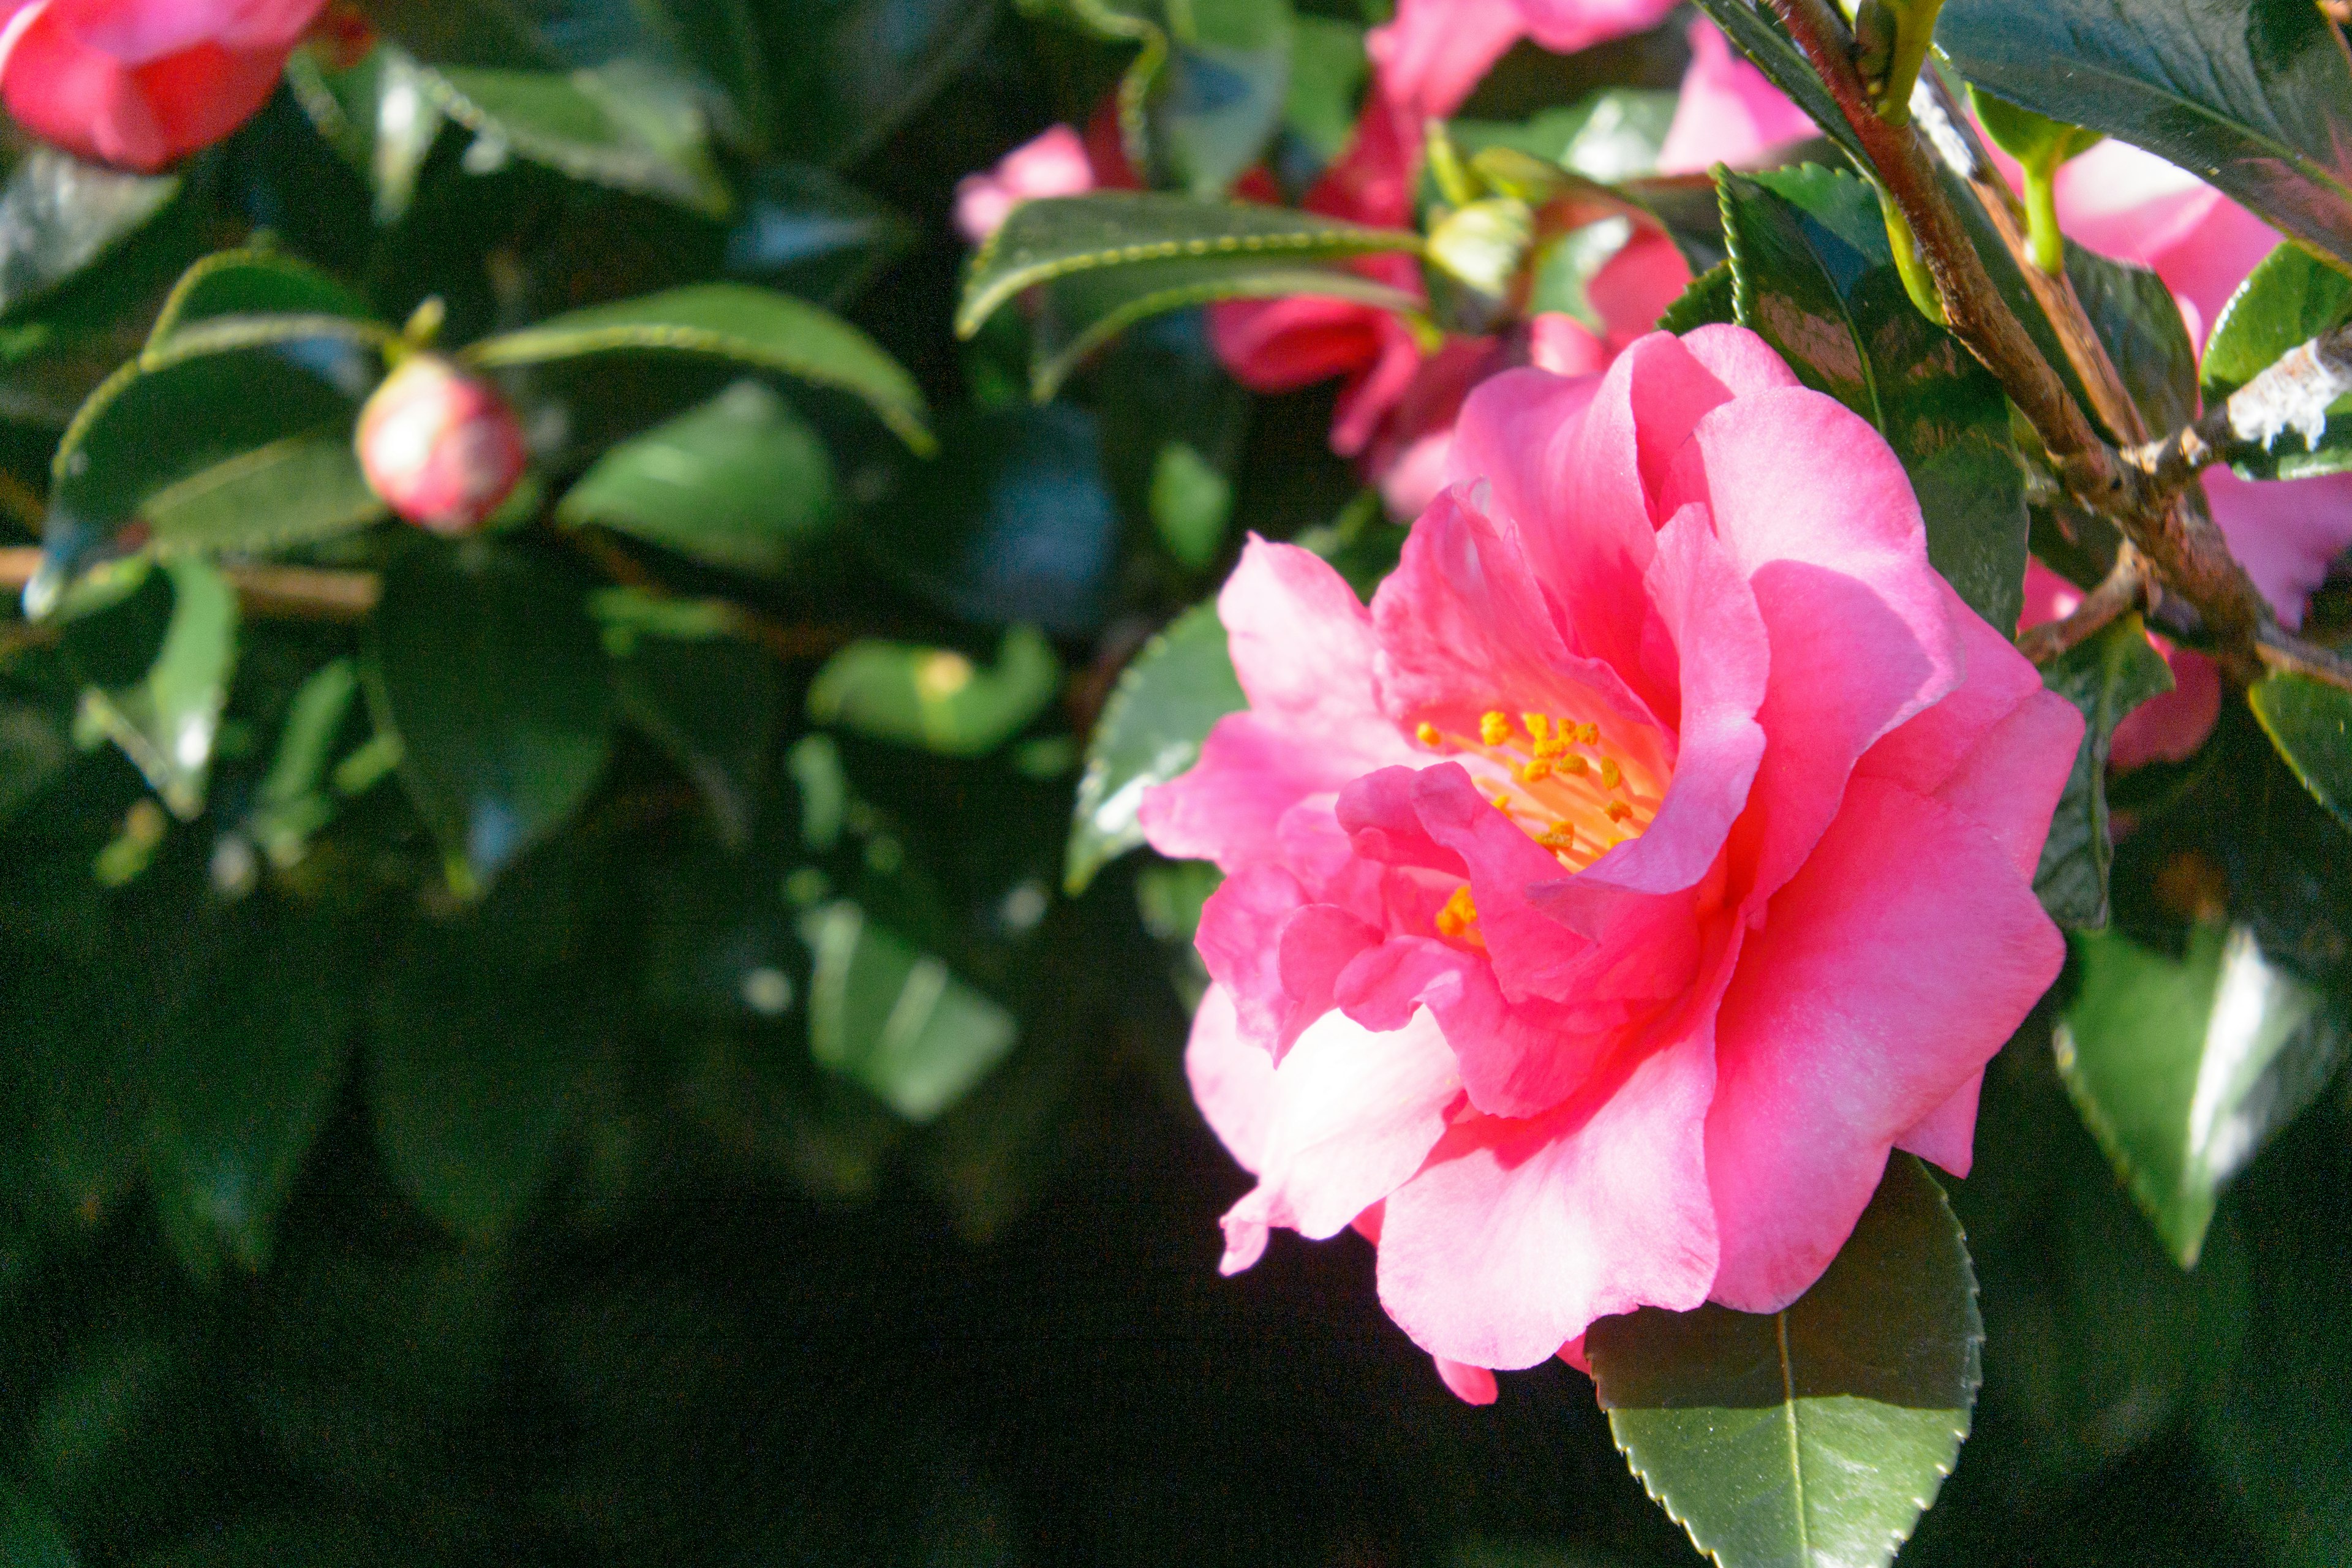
[1917, 281]
[2042, 231]
[1915, 32]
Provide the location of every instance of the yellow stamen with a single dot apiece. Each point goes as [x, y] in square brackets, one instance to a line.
[1618, 810]
[1503, 804]
[1538, 725]
[1574, 767]
[1559, 835]
[1552, 748]
[1535, 772]
[1493, 728]
[1458, 915]
[1590, 734]
[1611, 773]
[1426, 734]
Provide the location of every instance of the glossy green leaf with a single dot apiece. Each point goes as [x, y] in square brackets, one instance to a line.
[2184, 1067]
[812, 234]
[1813, 1438]
[1218, 100]
[2107, 676]
[304, 490]
[1609, 137]
[1812, 274]
[755, 328]
[60, 215]
[479, 1033]
[851, 71]
[935, 698]
[292, 803]
[2310, 722]
[1150, 731]
[1327, 69]
[2290, 298]
[895, 1019]
[252, 283]
[741, 482]
[1044, 240]
[2139, 321]
[243, 1084]
[1711, 299]
[487, 667]
[2248, 93]
[626, 125]
[167, 724]
[2035, 140]
[377, 114]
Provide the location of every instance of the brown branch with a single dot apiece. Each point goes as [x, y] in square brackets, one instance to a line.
[272, 593]
[2186, 551]
[2119, 594]
[2291, 395]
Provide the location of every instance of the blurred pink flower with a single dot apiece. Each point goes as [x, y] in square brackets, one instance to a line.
[2165, 729]
[142, 83]
[1437, 51]
[1728, 111]
[1654, 856]
[439, 445]
[1053, 165]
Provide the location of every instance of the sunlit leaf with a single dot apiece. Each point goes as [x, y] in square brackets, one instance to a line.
[2310, 721]
[1150, 731]
[895, 1019]
[167, 724]
[1813, 1438]
[935, 698]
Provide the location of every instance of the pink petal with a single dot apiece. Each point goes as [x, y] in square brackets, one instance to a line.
[2284, 531]
[1276, 954]
[1430, 58]
[1516, 1235]
[1377, 390]
[1893, 966]
[1559, 342]
[1948, 1134]
[1303, 645]
[2171, 726]
[1736, 357]
[1053, 165]
[139, 32]
[1280, 346]
[1633, 289]
[1232, 1080]
[1471, 1384]
[1564, 26]
[1922, 753]
[1728, 111]
[1352, 1115]
[1862, 638]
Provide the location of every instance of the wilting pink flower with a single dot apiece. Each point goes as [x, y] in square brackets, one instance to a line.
[1435, 51]
[2165, 729]
[143, 82]
[440, 446]
[1055, 164]
[1728, 111]
[1654, 856]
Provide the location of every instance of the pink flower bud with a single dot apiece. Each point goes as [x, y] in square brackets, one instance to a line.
[142, 83]
[439, 445]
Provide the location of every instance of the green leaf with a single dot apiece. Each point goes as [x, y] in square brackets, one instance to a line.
[2139, 322]
[2107, 676]
[304, 490]
[1080, 311]
[29, 1536]
[1327, 69]
[2250, 94]
[253, 282]
[742, 482]
[1612, 136]
[1711, 299]
[1814, 274]
[629, 124]
[935, 698]
[1044, 240]
[34, 752]
[377, 114]
[243, 1084]
[1192, 504]
[2290, 298]
[479, 1033]
[894, 1019]
[2184, 1067]
[1165, 703]
[61, 215]
[1218, 100]
[756, 328]
[812, 234]
[714, 705]
[852, 70]
[2035, 140]
[2310, 722]
[491, 672]
[168, 723]
[1813, 1438]
[291, 804]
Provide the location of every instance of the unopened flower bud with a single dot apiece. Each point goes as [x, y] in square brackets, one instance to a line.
[440, 446]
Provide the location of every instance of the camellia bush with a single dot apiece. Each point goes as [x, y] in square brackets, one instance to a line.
[722, 709]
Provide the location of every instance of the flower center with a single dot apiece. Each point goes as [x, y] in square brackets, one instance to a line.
[1561, 784]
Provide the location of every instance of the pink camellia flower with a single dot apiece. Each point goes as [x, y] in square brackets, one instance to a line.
[142, 83]
[1055, 164]
[440, 446]
[1654, 856]
[1435, 51]
[1727, 112]
[2165, 729]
